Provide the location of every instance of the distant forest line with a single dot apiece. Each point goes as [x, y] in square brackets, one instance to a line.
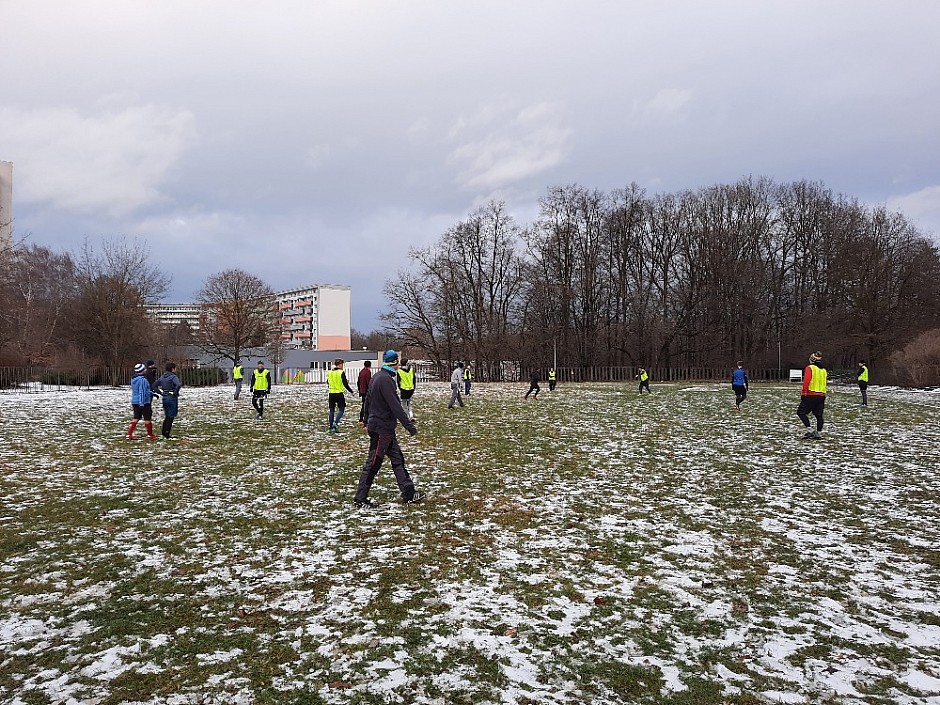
[754, 271]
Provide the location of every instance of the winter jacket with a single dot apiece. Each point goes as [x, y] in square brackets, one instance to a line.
[141, 393]
[362, 384]
[167, 384]
[457, 376]
[739, 377]
[382, 406]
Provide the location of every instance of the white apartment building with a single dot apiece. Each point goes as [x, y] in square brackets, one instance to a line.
[315, 317]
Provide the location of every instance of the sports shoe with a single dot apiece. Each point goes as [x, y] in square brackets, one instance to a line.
[360, 503]
[814, 435]
[415, 498]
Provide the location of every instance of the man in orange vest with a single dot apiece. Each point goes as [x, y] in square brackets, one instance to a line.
[813, 395]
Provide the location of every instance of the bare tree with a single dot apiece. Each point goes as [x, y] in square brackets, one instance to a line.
[461, 303]
[114, 285]
[36, 291]
[238, 313]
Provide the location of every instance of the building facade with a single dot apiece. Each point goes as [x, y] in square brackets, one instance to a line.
[315, 317]
[6, 205]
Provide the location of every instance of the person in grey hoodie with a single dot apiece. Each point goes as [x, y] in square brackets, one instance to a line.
[384, 411]
[456, 379]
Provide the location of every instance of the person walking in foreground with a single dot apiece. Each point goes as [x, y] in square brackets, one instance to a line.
[467, 379]
[813, 395]
[533, 385]
[384, 412]
[739, 385]
[141, 402]
[551, 380]
[338, 385]
[168, 387]
[644, 378]
[407, 381]
[362, 386]
[863, 382]
[456, 379]
[238, 376]
[260, 388]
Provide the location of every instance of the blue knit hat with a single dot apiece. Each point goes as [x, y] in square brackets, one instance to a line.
[390, 357]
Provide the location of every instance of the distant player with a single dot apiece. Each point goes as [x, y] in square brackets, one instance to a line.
[168, 387]
[533, 385]
[238, 376]
[863, 382]
[141, 402]
[260, 387]
[813, 395]
[739, 384]
[456, 379]
[644, 378]
[407, 382]
[338, 385]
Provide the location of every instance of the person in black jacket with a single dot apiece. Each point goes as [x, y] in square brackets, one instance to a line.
[384, 411]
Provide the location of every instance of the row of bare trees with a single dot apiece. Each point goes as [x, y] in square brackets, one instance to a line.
[84, 308]
[753, 270]
[90, 308]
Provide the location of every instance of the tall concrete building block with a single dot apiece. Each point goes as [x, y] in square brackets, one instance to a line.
[334, 317]
[6, 205]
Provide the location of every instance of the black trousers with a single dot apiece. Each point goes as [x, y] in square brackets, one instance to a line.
[533, 387]
[380, 446]
[863, 386]
[257, 401]
[740, 393]
[811, 404]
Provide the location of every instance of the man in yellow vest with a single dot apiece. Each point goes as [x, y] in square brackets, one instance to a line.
[260, 388]
[551, 380]
[813, 396]
[644, 378]
[238, 376]
[467, 379]
[863, 382]
[338, 384]
[407, 380]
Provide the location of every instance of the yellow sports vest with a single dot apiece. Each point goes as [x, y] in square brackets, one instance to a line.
[262, 380]
[407, 379]
[334, 379]
[551, 375]
[467, 374]
[237, 372]
[864, 376]
[817, 382]
[644, 376]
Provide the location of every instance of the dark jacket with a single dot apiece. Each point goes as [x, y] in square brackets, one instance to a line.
[382, 406]
[362, 384]
[167, 384]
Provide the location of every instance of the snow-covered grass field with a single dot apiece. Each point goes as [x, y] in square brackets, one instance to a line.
[589, 547]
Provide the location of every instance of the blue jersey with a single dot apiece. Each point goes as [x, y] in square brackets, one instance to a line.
[739, 377]
[140, 391]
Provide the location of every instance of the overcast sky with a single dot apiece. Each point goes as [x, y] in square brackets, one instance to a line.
[315, 142]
